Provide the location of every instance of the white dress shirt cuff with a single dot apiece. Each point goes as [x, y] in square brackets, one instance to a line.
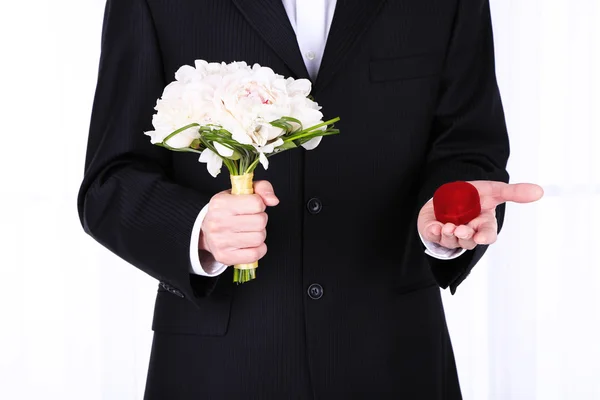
[440, 252]
[203, 261]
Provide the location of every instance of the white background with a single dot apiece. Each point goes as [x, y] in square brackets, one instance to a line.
[75, 320]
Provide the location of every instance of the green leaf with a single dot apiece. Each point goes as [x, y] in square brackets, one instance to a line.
[290, 119]
[286, 146]
[286, 124]
[283, 125]
[195, 144]
[236, 155]
[303, 140]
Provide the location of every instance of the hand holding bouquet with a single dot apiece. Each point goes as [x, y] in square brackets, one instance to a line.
[239, 116]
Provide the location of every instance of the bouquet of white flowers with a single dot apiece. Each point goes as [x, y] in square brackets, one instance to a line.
[237, 115]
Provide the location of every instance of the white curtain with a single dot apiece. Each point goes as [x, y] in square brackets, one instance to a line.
[75, 320]
[526, 323]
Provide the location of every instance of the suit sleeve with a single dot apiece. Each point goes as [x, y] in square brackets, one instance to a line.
[469, 139]
[128, 200]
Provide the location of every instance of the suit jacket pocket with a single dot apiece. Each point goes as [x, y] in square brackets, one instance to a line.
[173, 314]
[403, 68]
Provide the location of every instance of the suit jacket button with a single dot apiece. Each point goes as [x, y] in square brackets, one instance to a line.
[315, 291]
[314, 206]
[172, 290]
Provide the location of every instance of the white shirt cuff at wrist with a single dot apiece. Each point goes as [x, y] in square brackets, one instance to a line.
[203, 261]
[440, 252]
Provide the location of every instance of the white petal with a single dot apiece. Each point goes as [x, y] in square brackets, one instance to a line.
[270, 132]
[263, 160]
[241, 137]
[182, 140]
[223, 150]
[201, 66]
[213, 162]
[312, 143]
[155, 136]
[300, 86]
[271, 147]
[186, 74]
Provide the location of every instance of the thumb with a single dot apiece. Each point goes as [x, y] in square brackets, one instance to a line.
[265, 190]
[522, 192]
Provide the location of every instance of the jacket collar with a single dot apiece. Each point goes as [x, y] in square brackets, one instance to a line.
[350, 21]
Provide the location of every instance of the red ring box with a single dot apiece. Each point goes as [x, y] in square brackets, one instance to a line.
[457, 203]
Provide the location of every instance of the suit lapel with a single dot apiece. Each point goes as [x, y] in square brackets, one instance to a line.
[350, 21]
[269, 19]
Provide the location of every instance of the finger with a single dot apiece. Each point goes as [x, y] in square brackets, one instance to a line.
[487, 234]
[486, 228]
[244, 240]
[249, 223]
[242, 204]
[448, 239]
[265, 190]
[494, 193]
[448, 230]
[464, 232]
[433, 232]
[484, 217]
[246, 256]
[449, 242]
[467, 244]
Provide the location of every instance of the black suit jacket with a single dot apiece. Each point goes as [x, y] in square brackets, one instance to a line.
[414, 84]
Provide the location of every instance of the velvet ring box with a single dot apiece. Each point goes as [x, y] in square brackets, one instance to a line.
[457, 203]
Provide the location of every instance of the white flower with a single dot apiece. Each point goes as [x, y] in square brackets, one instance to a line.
[267, 150]
[180, 105]
[169, 119]
[251, 98]
[213, 162]
[264, 133]
[238, 98]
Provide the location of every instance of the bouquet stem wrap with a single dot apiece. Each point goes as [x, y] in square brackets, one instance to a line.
[243, 184]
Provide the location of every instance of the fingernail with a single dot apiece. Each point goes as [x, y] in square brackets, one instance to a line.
[271, 196]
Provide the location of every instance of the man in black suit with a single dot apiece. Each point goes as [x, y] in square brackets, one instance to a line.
[346, 303]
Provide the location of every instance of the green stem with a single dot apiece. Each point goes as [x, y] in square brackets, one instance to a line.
[322, 124]
[252, 166]
[178, 131]
[243, 161]
[309, 131]
[309, 134]
[243, 275]
[183, 150]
